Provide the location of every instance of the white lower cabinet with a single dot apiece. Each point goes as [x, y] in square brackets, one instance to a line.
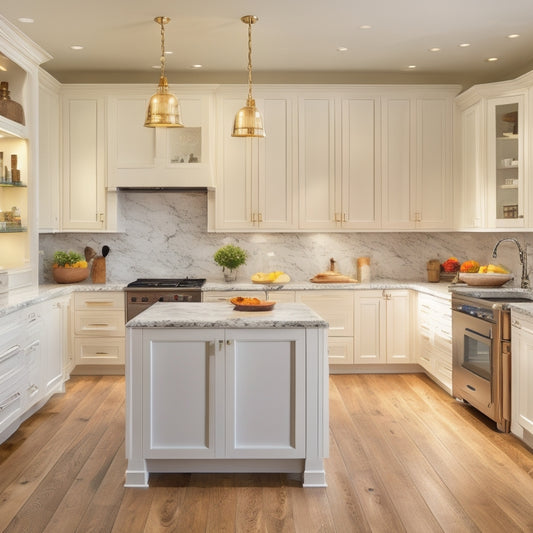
[31, 361]
[336, 307]
[522, 377]
[224, 394]
[99, 332]
[382, 327]
[434, 338]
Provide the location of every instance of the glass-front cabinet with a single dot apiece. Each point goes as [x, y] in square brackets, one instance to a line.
[506, 183]
[14, 243]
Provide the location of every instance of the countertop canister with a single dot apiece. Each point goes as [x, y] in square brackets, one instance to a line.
[363, 269]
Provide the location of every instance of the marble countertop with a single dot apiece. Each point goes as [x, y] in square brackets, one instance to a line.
[20, 299]
[222, 315]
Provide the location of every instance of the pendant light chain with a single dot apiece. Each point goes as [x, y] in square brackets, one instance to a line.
[162, 48]
[250, 60]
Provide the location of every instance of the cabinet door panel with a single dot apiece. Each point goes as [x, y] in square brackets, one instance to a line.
[83, 192]
[397, 163]
[234, 191]
[433, 164]
[276, 182]
[370, 328]
[317, 163]
[398, 332]
[360, 187]
[134, 144]
[265, 394]
[179, 396]
[336, 307]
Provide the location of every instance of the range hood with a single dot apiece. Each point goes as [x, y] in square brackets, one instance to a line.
[164, 189]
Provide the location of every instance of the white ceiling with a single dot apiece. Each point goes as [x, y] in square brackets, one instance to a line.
[293, 38]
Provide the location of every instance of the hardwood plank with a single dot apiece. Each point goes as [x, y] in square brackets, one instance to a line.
[90, 478]
[511, 489]
[101, 513]
[409, 503]
[438, 497]
[167, 503]
[404, 456]
[55, 467]
[345, 506]
[222, 503]
[369, 487]
[433, 438]
[133, 512]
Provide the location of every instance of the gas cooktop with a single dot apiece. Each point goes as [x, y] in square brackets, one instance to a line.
[166, 283]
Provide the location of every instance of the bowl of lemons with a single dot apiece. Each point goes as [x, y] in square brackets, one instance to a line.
[268, 278]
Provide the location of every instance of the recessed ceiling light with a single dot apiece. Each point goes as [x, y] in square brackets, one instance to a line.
[76, 47]
[434, 49]
[492, 59]
[513, 36]
[26, 20]
[3, 69]
[365, 27]
[168, 52]
[196, 66]
[411, 67]
[156, 66]
[342, 49]
[464, 45]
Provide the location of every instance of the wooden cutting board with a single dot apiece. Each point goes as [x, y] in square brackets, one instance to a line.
[98, 274]
[332, 278]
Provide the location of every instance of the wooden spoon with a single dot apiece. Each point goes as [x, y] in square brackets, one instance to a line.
[89, 253]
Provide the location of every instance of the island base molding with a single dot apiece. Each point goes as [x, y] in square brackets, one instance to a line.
[309, 471]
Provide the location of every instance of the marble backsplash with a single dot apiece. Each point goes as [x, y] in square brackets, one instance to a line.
[164, 234]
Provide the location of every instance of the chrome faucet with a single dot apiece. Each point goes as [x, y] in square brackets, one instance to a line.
[523, 260]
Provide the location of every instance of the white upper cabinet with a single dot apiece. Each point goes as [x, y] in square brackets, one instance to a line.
[83, 137]
[339, 162]
[417, 161]
[506, 185]
[49, 167]
[317, 162]
[493, 155]
[337, 158]
[160, 157]
[255, 176]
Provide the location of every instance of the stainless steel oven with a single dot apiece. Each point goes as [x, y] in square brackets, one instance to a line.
[144, 292]
[481, 376]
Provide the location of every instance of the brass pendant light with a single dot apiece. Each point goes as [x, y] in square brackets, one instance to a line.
[248, 120]
[163, 110]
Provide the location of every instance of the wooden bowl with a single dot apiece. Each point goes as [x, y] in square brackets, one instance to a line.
[485, 280]
[70, 275]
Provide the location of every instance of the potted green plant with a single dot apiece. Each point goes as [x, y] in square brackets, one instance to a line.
[230, 257]
[69, 267]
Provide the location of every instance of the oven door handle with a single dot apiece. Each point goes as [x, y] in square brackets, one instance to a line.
[479, 335]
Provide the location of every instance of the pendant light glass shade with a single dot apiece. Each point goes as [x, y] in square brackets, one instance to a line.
[163, 109]
[248, 120]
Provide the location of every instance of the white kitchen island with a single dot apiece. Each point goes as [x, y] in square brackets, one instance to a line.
[211, 389]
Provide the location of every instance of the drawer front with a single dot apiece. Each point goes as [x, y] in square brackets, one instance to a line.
[340, 350]
[224, 296]
[11, 363]
[99, 323]
[11, 403]
[336, 307]
[99, 351]
[99, 300]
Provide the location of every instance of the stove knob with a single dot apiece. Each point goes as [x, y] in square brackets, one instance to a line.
[161, 299]
[134, 298]
[144, 299]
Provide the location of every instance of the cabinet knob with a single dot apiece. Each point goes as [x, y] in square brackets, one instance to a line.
[259, 217]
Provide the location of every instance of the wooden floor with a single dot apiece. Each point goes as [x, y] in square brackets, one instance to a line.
[404, 456]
